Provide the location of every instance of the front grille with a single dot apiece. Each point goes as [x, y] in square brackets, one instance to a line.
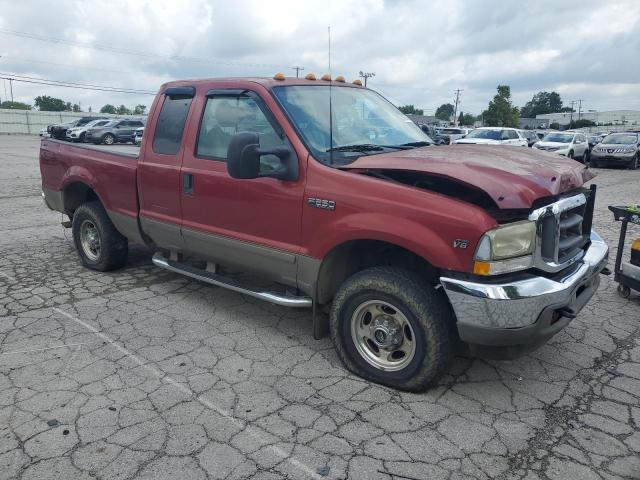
[564, 230]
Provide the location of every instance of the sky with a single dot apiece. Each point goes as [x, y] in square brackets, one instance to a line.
[420, 51]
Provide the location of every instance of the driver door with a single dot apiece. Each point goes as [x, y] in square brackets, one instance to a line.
[252, 224]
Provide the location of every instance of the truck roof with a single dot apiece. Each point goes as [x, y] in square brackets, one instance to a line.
[267, 82]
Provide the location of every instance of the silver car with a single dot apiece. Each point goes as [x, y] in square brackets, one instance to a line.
[621, 148]
[570, 144]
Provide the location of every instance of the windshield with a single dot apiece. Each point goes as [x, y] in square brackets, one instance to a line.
[623, 139]
[360, 117]
[489, 134]
[558, 137]
[452, 131]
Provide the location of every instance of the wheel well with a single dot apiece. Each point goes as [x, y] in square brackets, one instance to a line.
[75, 195]
[351, 257]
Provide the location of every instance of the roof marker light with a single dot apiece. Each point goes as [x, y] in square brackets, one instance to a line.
[326, 77]
[279, 76]
[340, 79]
[310, 76]
[357, 82]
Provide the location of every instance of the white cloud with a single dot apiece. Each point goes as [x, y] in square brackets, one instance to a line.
[420, 51]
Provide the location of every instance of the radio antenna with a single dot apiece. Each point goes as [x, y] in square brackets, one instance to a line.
[330, 106]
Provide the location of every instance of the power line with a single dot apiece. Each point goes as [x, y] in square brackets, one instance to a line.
[80, 86]
[132, 90]
[125, 51]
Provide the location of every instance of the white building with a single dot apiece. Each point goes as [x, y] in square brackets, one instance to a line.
[622, 118]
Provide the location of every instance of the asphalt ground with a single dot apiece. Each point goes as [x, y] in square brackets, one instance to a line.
[141, 373]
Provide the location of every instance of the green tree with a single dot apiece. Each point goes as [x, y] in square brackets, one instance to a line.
[140, 109]
[468, 120]
[75, 108]
[554, 126]
[541, 103]
[501, 112]
[444, 112]
[46, 103]
[583, 122]
[108, 108]
[122, 110]
[15, 105]
[460, 118]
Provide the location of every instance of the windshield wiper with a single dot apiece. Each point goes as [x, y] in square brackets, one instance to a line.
[370, 147]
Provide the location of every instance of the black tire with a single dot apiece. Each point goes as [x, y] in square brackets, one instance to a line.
[633, 165]
[108, 139]
[585, 157]
[570, 155]
[81, 137]
[428, 313]
[113, 249]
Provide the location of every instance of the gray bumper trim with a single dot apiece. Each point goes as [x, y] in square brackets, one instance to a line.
[519, 303]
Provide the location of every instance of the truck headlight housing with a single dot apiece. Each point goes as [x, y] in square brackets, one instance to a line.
[505, 249]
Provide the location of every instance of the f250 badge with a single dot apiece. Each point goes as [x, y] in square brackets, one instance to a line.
[459, 243]
[321, 203]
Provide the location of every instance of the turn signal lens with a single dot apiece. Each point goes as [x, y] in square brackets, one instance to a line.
[481, 268]
[636, 244]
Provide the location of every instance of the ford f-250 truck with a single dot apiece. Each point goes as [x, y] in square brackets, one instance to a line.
[327, 190]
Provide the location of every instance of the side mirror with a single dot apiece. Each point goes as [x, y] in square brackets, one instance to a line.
[243, 159]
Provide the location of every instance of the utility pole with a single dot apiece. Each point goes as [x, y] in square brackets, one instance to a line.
[455, 109]
[579, 108]
[297, 69]
[366, 75]
[11, 90]
[573, 102]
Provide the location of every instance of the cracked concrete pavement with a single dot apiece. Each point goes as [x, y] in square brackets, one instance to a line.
[140, 373]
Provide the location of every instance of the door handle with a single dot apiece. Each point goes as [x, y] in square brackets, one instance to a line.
[187, 183]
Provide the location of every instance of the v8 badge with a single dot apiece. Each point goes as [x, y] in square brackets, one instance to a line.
[459, 243]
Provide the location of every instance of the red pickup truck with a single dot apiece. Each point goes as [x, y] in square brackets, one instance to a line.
[327, 190]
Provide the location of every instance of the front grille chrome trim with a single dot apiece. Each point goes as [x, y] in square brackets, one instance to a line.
[540, 215]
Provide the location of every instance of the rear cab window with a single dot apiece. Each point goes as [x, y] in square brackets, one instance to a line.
[171, 121]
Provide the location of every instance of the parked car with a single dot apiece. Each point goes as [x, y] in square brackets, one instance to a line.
[59, 131]
[44, 132]
[77, 134]
[434, 135]
[411, 248]
[453, 133]
[531, 137]
[137, 136]
[116, 131]
[569, 144]
[617, 149]
[494, 136]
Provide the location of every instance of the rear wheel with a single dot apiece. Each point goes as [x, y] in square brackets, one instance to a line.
[390, 326]
[633, 165]
[585, 157]
[100, 246]
[108, 139]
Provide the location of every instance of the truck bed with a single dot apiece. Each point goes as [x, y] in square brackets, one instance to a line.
[110, 171]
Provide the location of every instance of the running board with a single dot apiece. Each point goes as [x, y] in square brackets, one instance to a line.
[213, 278]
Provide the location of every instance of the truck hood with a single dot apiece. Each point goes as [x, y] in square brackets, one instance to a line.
[513, 176]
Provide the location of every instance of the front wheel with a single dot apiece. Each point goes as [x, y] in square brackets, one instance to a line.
[633, 165]
[570, 155]
[390, 326]
[100, 246]
[108, 139]
[585, 157]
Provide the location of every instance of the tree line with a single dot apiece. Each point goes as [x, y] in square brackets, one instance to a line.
[502, 113]
[45, 103]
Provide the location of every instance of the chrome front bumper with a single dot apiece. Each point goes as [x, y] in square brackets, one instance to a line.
[527, 310]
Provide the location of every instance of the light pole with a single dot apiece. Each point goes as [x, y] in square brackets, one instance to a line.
[366, 75]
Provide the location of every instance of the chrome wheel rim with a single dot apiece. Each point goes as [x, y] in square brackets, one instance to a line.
[90, 240]
[383, 335]
[108, 140]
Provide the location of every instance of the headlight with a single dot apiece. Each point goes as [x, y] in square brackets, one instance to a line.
[506, 249]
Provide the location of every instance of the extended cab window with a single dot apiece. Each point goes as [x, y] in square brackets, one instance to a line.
[168, 134]
[224, 117]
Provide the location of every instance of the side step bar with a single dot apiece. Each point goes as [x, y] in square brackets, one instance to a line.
[213, 278]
